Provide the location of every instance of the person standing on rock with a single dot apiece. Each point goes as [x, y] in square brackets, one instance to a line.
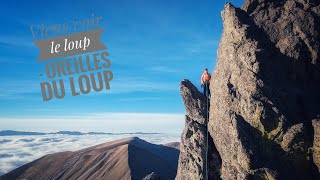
[205, 82]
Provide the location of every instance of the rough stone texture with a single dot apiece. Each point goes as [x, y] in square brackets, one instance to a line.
[192, 157]
[316, 142]
[291, 136]
[264, 90]
[194, 102]
[192, 151]
[265, 101]
[290, 24]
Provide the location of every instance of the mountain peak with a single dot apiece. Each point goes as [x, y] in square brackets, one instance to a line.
[113, 160]
[194, 102]
[264, 105]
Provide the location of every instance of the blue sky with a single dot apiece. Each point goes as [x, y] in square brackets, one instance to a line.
[153, 45]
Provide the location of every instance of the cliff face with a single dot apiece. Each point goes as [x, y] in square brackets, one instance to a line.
[192, 157]
[265, 101]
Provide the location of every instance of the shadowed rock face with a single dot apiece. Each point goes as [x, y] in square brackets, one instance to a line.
[291, 25]
[265, 100]
[130, 158]
[192, 157]
[265, 90]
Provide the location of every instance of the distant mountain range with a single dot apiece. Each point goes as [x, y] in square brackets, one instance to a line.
[23, 133]
[128, 158]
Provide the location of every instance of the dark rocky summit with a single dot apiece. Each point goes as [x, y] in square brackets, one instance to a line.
[264, 119]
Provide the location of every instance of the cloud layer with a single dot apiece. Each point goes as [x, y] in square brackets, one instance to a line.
[16, 151]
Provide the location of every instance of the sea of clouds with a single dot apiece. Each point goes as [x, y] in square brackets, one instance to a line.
[16, 151]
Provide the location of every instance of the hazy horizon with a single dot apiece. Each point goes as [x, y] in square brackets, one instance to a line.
[152, 46]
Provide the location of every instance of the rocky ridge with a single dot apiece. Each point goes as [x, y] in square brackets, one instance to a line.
[265, 106]
[128, 158]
